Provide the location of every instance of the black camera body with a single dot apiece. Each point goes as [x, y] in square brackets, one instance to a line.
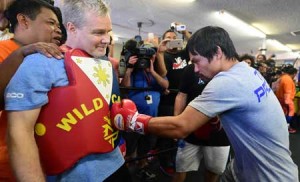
[143, 54]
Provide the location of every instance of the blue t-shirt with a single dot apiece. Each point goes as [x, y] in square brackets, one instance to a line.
[28, 89]
[253, 121]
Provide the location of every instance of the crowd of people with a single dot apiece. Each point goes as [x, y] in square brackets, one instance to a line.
[64, 118]
[281, 79]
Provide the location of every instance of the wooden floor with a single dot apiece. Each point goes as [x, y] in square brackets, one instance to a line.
[197, 176]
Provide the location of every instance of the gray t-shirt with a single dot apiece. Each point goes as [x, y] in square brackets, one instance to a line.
[253, 121]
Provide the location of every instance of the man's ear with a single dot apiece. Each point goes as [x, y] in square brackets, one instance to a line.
[71, 28]
[23, 21]
[219, 53]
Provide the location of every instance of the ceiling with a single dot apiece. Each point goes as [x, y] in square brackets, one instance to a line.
[276, 18]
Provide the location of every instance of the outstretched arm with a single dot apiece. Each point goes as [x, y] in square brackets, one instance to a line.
[10, 65]
[125, 116]
[23, 151]
[179, 126]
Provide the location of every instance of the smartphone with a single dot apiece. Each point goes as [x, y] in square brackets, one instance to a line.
[176, 43]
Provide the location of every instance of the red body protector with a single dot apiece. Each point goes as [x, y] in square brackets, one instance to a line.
[76, 120]
[211, 127]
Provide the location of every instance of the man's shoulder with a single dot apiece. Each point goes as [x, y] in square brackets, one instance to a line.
[7, 47]
[285, 76]
[39, 62]
[38, 57]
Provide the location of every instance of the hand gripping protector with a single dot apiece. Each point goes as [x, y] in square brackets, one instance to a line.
[125, 116]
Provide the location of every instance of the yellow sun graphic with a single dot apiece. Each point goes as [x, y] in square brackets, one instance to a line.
[78, 60]
[101, 75]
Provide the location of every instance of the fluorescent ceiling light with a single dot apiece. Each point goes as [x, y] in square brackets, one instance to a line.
[239, 24]
[279, 45]
[183, 1]
[262, 27]
[293, 46]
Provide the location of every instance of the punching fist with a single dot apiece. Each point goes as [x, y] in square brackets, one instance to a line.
[124, 116]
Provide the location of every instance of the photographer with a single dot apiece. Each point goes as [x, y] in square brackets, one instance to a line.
[176, 59]
[147, 85]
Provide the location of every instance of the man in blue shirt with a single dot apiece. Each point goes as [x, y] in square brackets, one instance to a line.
[88, 24]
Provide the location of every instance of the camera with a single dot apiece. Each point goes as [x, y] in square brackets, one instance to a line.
[177, 28]
[143, 54]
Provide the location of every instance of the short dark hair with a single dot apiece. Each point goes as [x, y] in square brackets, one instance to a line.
[30, 8]
[50, 2]
[247, 56]
[264, 56]
[167, 31]
[206, 41]
[289, 69]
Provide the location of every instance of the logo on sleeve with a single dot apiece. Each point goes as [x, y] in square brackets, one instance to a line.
[15, 95]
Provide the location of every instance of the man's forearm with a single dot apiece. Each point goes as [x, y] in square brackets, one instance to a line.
[7, 69]
[179, 126]
[23, 151]
[180, 103]
[160, 80]
[25, 161]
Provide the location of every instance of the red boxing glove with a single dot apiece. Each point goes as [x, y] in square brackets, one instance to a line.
[125, 116]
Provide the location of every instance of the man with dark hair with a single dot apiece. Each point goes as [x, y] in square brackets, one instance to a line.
[40, 33]
[248, 59]
[58, 110]
[31, 21]
[24, 43]
[286, 92]
[261, 58]
[209, 142]
[247, 108]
